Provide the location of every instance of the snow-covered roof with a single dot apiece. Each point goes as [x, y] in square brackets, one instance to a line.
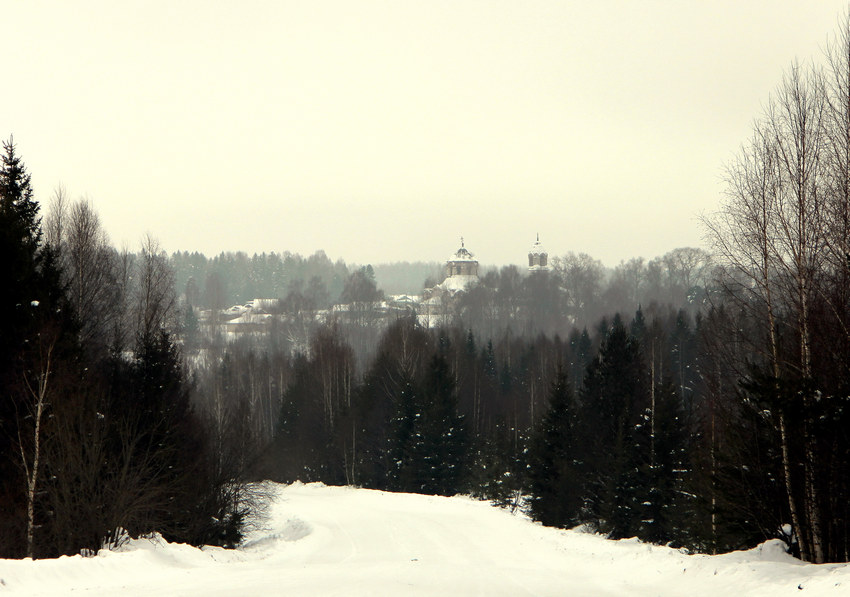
[257, 305]
[537, 248]
[458, 282]
[247, 318]
[405, 298]
[263, 304]
[236, 310]
[462, 255]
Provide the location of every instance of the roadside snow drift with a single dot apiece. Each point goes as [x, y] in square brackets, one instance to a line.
[343, 541]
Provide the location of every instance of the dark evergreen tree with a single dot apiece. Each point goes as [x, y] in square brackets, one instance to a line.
[35, 323]
[406, 446]
[444, 432]
[489, 361]
[554, 483]
[638, 326]
[20, 226]
[373, 412]
[748, 505]
[615, 433]
[20, 235]
[429, 444]
[170, 453]
[683, 360]
[304, 438]
[191, 330]
[667, 505]
[581, 353]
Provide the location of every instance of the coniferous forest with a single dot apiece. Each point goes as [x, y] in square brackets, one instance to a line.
[697, 399]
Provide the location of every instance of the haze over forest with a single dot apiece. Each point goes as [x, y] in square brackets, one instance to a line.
[384, 131]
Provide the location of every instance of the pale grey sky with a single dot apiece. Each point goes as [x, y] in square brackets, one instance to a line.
[385, 130]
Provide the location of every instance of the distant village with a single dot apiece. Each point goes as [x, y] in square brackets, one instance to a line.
[432, 308]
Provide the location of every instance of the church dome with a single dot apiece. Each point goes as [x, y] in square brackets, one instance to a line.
[537, 248]
[461, 268]
[462, 254]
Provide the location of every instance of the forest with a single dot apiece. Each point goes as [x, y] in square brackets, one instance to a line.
[698, 399]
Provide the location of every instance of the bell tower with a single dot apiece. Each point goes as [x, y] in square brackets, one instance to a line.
[538, 258]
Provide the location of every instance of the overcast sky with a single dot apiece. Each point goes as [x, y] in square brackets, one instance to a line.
[386, 130]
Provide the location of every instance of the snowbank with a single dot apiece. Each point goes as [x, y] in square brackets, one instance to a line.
[321, 540]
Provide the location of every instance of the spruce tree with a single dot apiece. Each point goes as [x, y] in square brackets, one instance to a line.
[666, 503]
[20, 235]
[554, 482]
[429, 443]
[580, 356]
[615, 432]
[444, 432]
[405, 442]
[31, 301]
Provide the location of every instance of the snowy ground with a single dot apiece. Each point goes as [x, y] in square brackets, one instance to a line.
[343, 541]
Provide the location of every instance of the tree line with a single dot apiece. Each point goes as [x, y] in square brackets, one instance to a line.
[576, 293]
[602, 422]
[581, 291]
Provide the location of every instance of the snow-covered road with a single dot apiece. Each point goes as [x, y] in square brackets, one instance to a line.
[322, 540]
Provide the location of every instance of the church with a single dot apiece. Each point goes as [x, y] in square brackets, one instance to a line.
[461, 270]
[462, 274]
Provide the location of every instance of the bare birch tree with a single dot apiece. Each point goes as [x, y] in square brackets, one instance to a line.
[38, 389]
[156, 302]
[57, 216]
[837, 156]
[773, 237]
